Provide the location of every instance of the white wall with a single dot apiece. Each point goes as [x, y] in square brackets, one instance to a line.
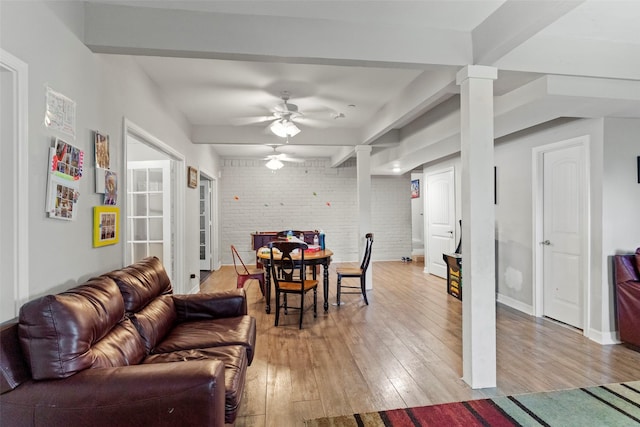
[310, 196]
[620, 200]
[614, 202]
[106, 89]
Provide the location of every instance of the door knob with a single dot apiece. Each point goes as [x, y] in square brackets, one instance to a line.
[450, 232]
[546, 243]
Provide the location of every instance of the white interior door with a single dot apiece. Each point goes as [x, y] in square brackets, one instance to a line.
[564, 194]
[440, 218]
[149, 211]
[206, 256]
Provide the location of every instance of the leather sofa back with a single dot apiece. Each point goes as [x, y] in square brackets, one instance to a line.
[155, 320]
[141, 282]
[84, 327]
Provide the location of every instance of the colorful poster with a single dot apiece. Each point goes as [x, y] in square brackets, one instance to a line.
[62, 197]
[102, 151]
[67, 161]
[110, 188]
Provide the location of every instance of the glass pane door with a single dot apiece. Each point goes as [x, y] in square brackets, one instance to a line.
[205, 225]
[149, 211]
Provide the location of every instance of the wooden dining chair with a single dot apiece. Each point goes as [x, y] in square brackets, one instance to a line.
[356, 272]
[246, 273]
[291, 278]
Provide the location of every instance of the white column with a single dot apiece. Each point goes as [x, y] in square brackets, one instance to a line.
[363, 173]
[478, 226]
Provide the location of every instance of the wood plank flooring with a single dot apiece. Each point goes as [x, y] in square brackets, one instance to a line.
[404, 349]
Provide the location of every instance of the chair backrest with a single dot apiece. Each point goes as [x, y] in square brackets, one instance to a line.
[282, 235]
[367, 253]
[287, 265]
[235, 254]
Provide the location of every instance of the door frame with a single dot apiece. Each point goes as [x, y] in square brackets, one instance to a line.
[215, 235]
[425, 210]
[130, 128]
[19, 241]
[538, 226]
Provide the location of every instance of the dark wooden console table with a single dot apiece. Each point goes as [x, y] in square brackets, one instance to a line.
[454, 274]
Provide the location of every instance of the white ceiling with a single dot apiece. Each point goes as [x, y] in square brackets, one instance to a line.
[381, 64]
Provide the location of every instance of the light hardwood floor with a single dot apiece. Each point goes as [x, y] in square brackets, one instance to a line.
[404, 349]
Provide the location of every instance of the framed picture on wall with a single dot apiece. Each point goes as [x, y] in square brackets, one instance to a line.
[192, 177]
[106, 225]
[415, 188]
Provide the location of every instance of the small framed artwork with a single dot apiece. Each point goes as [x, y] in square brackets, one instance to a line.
[101, 148]
[192, 177]
[415, 188]
[106, 225]
[638, 169]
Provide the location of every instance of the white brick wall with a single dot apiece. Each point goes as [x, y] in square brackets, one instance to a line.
[311, 196]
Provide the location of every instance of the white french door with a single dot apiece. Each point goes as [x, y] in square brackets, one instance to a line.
[149, 211]
[440, 219]
[206, 256]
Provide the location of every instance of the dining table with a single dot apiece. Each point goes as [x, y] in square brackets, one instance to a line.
[311, 258]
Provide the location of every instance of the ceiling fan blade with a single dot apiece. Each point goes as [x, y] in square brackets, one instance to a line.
[284, 158]
[315, 123]
[241, 121]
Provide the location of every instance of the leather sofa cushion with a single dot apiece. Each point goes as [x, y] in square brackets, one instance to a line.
[238, 330]
[638, 261]
[141, 282]
[235, 365]
[155, 320]
[122, 346]
[58, 332]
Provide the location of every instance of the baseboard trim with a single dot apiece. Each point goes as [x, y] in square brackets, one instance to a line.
[604, 338]
[515, 304]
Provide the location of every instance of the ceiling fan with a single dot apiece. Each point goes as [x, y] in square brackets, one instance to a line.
[284, 119]
[275, 159]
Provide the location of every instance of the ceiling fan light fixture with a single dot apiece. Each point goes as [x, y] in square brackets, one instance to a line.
[284, 128]
[274, 164]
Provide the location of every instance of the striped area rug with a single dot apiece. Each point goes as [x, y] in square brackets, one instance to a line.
[607, 405]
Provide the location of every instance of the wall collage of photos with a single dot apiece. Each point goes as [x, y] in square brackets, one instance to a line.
[66, 167]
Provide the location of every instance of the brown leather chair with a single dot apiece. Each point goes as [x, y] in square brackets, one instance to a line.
[246, 273]
[356, 272]
[289, 277]
[627, 282]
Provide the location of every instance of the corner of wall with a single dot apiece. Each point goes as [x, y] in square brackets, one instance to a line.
[603, 338]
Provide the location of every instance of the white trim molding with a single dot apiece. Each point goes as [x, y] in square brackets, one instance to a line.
[179, 185]
[20, 180]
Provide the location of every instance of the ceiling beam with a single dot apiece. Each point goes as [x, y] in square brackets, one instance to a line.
[540, 101]
[513, 23]
[180, 33]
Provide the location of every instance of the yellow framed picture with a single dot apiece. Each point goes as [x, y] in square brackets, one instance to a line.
[106, 225]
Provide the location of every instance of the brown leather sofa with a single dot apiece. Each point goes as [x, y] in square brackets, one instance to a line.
[123, 350]
[627, 279]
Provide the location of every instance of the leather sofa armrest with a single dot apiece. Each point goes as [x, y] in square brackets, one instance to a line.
[162, 394]
[213, 305]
